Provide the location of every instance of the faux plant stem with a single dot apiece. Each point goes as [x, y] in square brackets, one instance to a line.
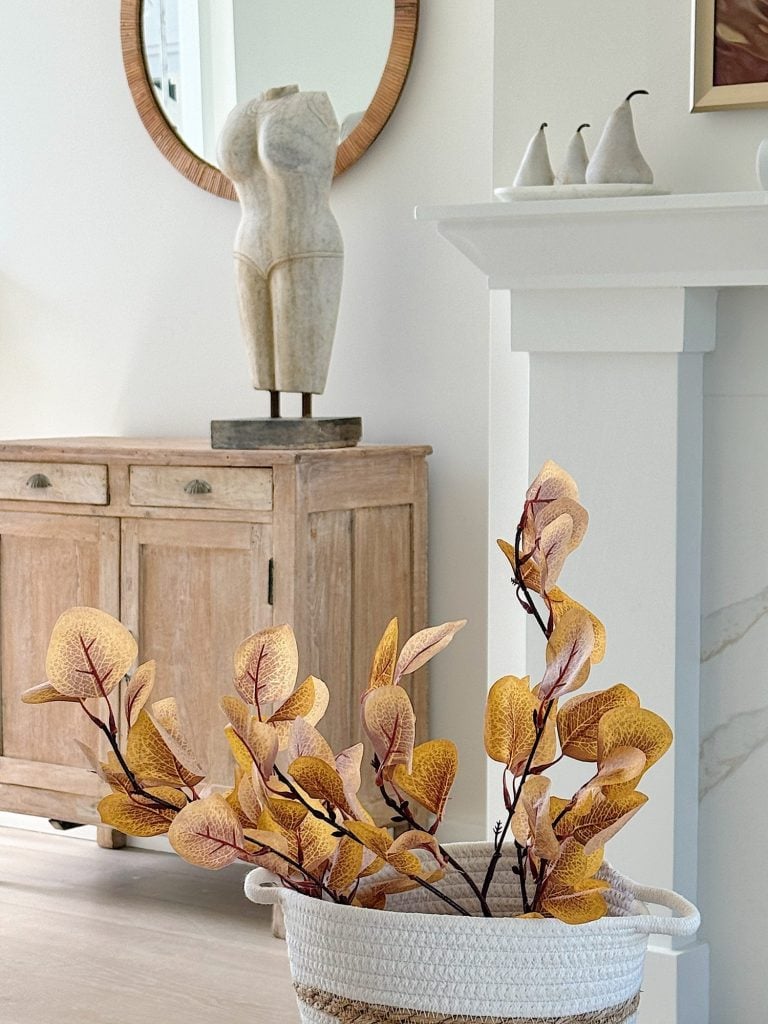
[294, 864]
[351, 835]
[138, 790]
[403, 811]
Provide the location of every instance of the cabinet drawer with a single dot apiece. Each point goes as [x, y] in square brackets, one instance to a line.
[202, 487]
[54, 481]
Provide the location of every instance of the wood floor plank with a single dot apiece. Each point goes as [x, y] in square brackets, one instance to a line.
[91, 936]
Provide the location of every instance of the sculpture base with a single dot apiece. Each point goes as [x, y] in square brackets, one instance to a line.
[286, 433]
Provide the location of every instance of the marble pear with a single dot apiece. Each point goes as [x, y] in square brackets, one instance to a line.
[617, 158]
[574, 169]
[536, 168]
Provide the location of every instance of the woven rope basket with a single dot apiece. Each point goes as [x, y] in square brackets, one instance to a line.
[418, 962]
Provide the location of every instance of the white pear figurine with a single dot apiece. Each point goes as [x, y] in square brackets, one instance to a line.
[574, 169]
[617, 158]
[536, 168]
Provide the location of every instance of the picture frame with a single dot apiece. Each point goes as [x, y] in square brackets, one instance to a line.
[724, 48]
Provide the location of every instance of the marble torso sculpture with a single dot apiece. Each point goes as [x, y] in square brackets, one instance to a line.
[279, 151]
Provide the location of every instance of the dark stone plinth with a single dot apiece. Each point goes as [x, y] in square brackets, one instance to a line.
[286, 433]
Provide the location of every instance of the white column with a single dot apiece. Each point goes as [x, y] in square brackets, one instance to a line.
[614, 394]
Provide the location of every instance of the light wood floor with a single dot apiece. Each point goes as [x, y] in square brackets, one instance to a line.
[91, 936]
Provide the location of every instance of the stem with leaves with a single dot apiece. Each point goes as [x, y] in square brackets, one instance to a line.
[403, 811]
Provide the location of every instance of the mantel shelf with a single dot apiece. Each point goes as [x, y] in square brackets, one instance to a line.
[714, 240]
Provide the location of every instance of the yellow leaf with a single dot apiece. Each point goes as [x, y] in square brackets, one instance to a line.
[138, 816]
[384, 660]
[289, 814]
[531, 822]
[89, 653]
[568, 655]
[593, 825]
[402, 858]
[257, 741]
[429, 783]
[531, 576]
[138, 691]
[149, 756]
[424, 645]
[43, 693]
[579, 718]
[317, 843]
[319, 780]
[622, 764]
[309, 702]
[266, 665]
[266, 850]
[509, 728]
[376, 839]
[347, 864]
[390, 724]
[305, 741]
[560, 603]
[634, 727]
[575, 907]
[207, 833]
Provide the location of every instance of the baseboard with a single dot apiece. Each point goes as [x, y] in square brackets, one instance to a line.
[676, 986]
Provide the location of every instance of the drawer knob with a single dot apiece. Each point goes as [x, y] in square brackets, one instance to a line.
[198, 487]
[38, 481]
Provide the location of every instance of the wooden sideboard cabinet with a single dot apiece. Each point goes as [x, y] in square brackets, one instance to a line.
[194, 549]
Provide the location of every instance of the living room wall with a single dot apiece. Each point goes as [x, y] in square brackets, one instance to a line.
[118, 310]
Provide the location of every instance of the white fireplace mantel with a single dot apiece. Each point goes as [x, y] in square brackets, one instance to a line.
[615, 302]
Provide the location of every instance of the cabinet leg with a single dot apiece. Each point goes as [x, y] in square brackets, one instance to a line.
[109, 838]
[278, 922]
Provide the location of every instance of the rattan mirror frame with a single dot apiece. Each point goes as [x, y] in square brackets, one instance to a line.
[210, 178]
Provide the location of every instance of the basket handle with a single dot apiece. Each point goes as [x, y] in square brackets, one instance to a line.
[686, 919]
[261, 886]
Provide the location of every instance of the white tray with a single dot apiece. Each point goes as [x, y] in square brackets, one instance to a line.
[514, 194]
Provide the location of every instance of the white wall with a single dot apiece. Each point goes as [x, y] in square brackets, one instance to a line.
[567, 63]
[117, 304]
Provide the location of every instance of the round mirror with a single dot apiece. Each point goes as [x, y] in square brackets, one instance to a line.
[189, 62]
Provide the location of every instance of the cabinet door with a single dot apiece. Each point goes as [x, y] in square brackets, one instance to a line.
[191, 591]
[48, 563]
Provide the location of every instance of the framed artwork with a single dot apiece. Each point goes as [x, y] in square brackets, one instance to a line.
[730, 60]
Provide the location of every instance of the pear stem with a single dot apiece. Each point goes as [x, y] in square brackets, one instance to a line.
[543, 125]
[582, 126]
[637, 92]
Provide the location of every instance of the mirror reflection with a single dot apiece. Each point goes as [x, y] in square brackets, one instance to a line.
[205, 56]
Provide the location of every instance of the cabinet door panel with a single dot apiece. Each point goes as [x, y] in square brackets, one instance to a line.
[192, 591]
[47, 564]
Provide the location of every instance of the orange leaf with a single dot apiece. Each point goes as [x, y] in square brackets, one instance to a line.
[89, 653]
[634, 727]
[317, 843]
[138, 690]
[383, 666]
[424, 645]
[207, 833]
[622, 764]
[568, 655]
[376, 839]
[266, 848]
[138, 816]
[289, 814]
[600, 820]
[347, 864]
[579, 718]
[390, 724]
[251, 795]
[529, 571]
[150, 758]
[531, 823]
[43, 693]
[165, 714]
[319, 780]
[569, 892]
[309, 702]
[402, 858]
[250, 740]
[435, 764]
[266, 665]
[509, 728]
